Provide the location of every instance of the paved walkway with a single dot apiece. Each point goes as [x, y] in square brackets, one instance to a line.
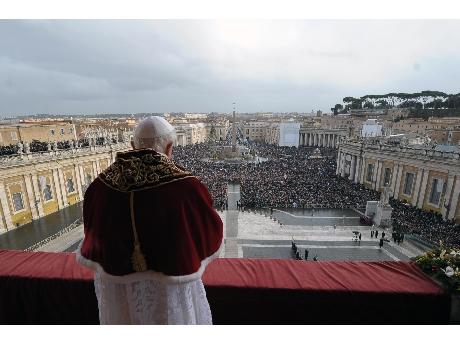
[64, 242]
[250, 234]
[246, 234]
[231, 222]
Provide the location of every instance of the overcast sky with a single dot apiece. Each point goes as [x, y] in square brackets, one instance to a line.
[127, 66]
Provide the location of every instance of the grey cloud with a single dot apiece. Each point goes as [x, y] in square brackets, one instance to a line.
[86, 66]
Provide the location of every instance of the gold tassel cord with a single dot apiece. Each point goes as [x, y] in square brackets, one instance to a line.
[137, 258]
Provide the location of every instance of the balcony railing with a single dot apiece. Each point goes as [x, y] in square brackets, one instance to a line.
[51, 288]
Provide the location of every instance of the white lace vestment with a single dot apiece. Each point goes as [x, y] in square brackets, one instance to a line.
[149, 301]
[150, 297]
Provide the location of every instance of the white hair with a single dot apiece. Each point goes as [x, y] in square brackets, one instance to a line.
[154, 132]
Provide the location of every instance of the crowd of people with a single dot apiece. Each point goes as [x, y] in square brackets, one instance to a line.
[427, 224]
[292, 178]
[43, 146]
[7, 150]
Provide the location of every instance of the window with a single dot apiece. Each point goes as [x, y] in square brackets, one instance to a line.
[70, 186]
[436, 191]
[46, 188]
[62, 131]
[52, 132]
[370, 172]
[387, 177]
[70, 130]
[14, 136]
[408, 183]
[89, 179]
[18, 203]
[47, 193]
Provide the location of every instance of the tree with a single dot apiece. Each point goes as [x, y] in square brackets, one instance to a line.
[368, 105]
[382, 104]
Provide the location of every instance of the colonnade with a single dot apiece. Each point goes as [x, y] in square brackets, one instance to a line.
[320, 139]
[414, 177]
[31, 188]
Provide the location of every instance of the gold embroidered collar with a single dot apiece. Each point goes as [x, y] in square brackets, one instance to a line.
[141, 169]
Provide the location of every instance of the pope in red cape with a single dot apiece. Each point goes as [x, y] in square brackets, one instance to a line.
[149, 221]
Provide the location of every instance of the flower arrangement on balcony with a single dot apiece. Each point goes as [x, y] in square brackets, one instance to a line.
[443, 264]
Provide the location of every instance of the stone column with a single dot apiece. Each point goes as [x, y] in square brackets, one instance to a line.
[57, 187]
[310, 139]
[357, 169]
[447, 198]
[399, 178]
[352, 168]
[342, 164]
[30, 196]
[38, 195]
[6, 212]
[98, 167]
[394, 173]
[78, 181]
[363, 170]
[337, 169]
[379, 175]
[422, 191]
[95, 172]
[455, 195]
[416, 190]
[82, 174]
[63, 187]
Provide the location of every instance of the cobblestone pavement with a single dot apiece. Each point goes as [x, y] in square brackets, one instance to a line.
[254, 235]
[62, 243]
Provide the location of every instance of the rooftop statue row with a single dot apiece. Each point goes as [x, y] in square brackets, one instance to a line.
[24, 152]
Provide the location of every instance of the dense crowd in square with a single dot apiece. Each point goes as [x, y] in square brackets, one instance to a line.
[291, 177]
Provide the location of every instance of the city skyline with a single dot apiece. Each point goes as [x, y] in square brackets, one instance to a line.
[134, 66]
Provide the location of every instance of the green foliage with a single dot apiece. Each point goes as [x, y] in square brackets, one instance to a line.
[426, 99]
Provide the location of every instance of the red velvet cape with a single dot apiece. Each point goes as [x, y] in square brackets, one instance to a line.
[178, 229]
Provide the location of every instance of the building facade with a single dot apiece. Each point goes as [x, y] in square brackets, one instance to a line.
[371, 128]
[420, 176]
[35, 185]
[12, 134]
